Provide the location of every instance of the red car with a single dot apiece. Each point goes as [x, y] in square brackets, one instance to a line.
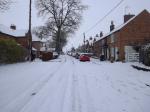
[84, 58]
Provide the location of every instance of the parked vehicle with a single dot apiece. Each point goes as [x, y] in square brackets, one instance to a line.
[84, 58]
[102, 58]
[77, 56]
[55, 55]
[73, 54]
[87, 54]
[46, 56]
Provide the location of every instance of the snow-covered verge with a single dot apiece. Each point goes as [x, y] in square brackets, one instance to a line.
[18, 82]
[122, 87]
[68, 85]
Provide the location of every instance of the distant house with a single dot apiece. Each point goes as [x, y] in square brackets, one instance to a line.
[124, 41]
[37, 44]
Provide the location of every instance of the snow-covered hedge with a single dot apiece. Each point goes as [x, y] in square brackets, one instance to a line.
[11, 52]
[146, 47]
[145, 54]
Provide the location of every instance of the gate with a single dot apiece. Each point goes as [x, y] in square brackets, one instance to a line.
[133, 57]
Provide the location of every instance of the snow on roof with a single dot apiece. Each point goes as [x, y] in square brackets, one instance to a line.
[119, 27]
[34, 49]
[146, 47]
[42, 49]
[91, 42]
[36, 38]
[16, 33]
[47, 49]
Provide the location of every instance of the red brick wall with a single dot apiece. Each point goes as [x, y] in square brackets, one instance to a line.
[136, 32]
[97, 50]
[116, 42]
[21, 40]
[4, 36]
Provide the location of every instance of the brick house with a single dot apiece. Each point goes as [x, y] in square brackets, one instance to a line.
[134, 32]
[20, 36]
[37, 44]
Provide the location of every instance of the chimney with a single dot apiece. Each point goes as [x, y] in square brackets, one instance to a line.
[101, 34]
[112, 26]
[127, 17]
[13, 27]
[94, 40]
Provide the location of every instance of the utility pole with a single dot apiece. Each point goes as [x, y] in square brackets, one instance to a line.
[84, 41]
[29, 32]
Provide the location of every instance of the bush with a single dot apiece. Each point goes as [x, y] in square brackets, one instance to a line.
[147, 58]
[11, 52]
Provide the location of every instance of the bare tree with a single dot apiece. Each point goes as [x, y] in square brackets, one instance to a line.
[4, 5]
[47, 33]
[63, 16]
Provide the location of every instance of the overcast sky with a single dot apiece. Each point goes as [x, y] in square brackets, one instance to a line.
[18, 15]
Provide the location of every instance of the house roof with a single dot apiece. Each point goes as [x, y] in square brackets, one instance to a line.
[120, 27]
[16, 33]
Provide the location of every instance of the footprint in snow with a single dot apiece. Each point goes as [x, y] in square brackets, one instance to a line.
[136, 89]
[119, 90]
[142, 87]
[124, 110]
[132, 83]
[148, 85]
[33, 94]
[119, 81]
[123, 85]
[135, 98]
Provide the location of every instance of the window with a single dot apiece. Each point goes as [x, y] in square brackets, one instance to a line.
[112, 51]
[112, 38]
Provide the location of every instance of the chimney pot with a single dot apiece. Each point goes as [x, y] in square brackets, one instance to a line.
[112, 26]
[101, 34]
[13, 27]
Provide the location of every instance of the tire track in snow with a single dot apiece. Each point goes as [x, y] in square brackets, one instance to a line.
[75, 103]
[19, 102]
[59, 95]
[76, 100]
[83, 101]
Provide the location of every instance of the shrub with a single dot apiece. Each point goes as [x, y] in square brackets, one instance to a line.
[11, 52]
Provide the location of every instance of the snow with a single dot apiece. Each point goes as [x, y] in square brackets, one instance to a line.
[34, 49]
[16, 33]
[68, 85]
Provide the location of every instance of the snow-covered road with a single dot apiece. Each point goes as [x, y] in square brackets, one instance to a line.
[68, 85]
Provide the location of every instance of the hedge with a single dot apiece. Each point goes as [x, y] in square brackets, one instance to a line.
[11, 52]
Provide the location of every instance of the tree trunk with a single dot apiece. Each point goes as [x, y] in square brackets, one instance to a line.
[58, 44]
